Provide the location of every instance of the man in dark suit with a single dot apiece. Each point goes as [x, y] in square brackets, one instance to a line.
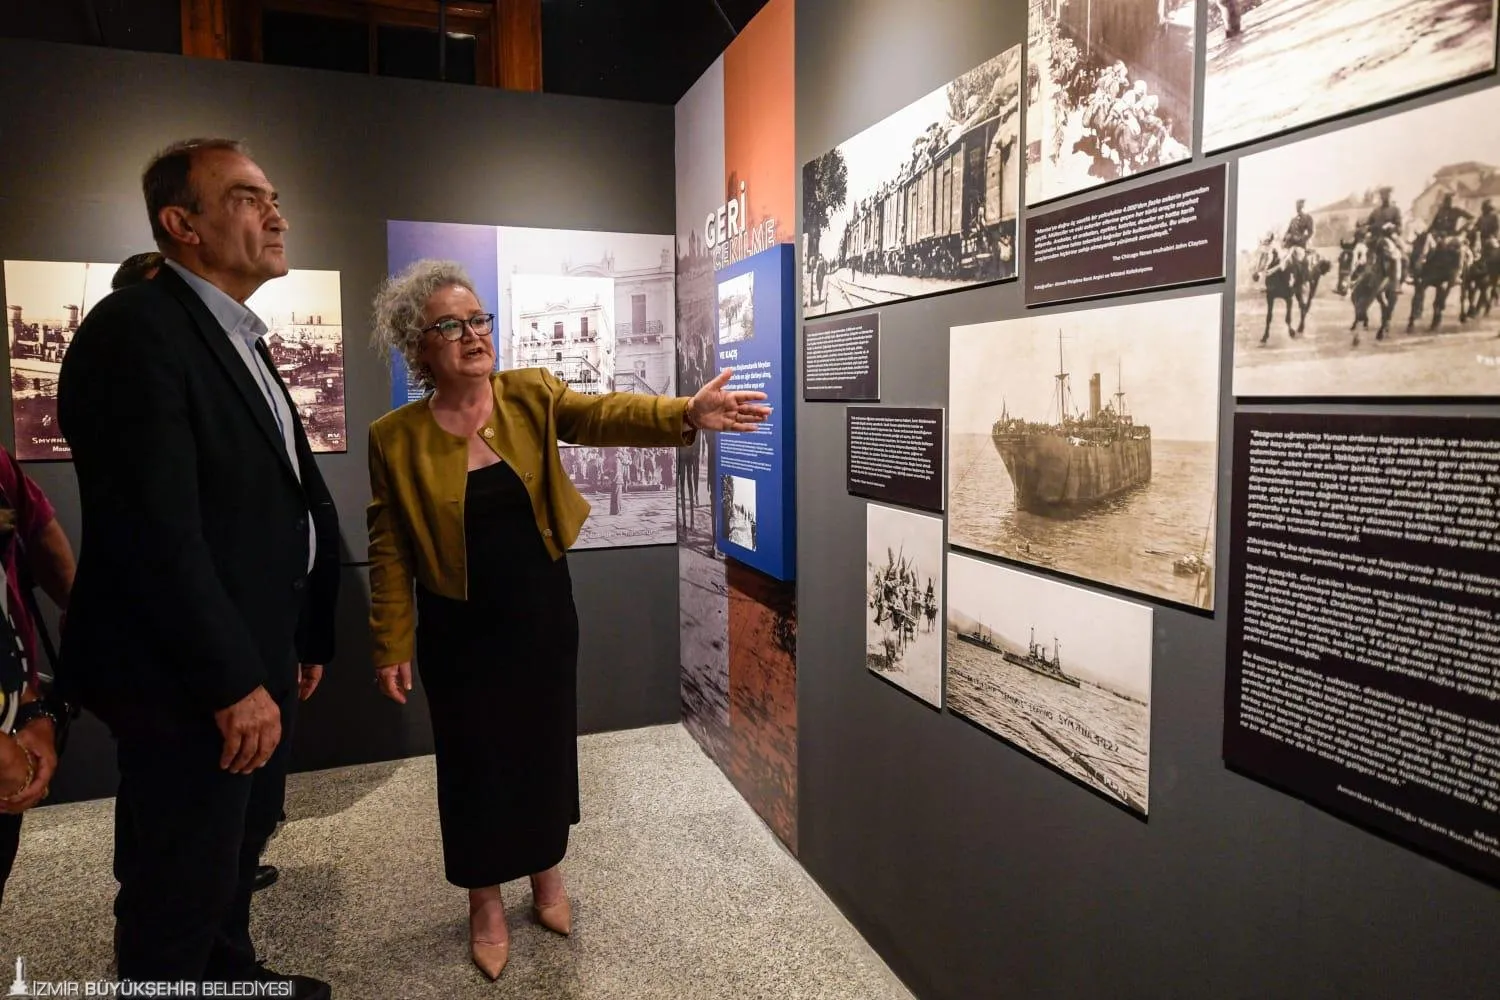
[203, 603]
[133, 270]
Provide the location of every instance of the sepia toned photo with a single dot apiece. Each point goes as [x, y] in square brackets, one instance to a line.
[1087, 443]
[1368, 259]
[629, 491]
[45, 301]
[737, 500]
[303, 314]
[598, 309]
[904, 600]
[925, 201]
[1276, 65]
[737, 308]
[1060, 672]
[1109, 91]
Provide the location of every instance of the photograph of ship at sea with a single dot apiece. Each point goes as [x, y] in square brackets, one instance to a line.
[1061, 672]
[45, 301]
[1087, 443]
[904, 600]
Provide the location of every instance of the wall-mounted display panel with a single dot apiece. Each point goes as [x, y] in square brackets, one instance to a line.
[1273, 67]
[754, 474]
[923, 202]
[1061, 672]
[904, 600]
[47, 300]
[1086, 443]
[1366, 259]
[1109, 91]
[841, 359]
[1153, 236]
[1364, 623]
[895, 454]
[598, 310]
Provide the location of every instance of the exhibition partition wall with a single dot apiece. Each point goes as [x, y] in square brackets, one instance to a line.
[736, 504]
[587, 182]
[1147, 498]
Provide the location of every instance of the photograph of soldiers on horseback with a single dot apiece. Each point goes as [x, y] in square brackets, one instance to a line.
[1388, 216]
[1109, 91]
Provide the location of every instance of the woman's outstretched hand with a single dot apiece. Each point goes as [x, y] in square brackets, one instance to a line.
[714, 409]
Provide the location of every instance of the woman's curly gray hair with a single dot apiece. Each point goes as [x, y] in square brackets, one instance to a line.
[400, 305]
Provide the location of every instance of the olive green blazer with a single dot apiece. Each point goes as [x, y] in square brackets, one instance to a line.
[419, 474]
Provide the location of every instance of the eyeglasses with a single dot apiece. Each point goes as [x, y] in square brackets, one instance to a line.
[453, 329]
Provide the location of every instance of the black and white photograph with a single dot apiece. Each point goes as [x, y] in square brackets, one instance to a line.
[613, 294]
[737, 509]
[1275, 65]
[1061, 672]
[904, 600]
[923, 202]
[565, 324]
[629, 492]
[1109, 91]
[1087, 443]
[737, 308]
[303, 314]
[643, 311]
[44, 303]
[1367, 259]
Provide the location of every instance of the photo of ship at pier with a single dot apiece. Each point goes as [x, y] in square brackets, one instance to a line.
[1087, 443]
[904, 600]
[303, 313]
[44, 303]
[1060, 672]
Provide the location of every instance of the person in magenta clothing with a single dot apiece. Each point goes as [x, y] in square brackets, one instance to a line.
[33, 546]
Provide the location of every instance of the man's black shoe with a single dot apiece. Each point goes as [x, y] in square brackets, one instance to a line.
[265, 875]
[303, 987]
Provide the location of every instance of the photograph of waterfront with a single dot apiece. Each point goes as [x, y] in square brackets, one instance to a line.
[1086, 442]
[1061, 672]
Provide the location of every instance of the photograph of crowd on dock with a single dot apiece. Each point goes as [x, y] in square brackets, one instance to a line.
[1367, 263]
[904, 600]
[1086, 442]
[922, 202]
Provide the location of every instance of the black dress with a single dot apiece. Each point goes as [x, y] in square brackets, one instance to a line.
[501, 675]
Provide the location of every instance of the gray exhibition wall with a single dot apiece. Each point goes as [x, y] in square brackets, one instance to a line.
[977, 871]
[347, 153]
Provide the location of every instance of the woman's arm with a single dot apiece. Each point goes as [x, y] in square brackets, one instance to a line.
[52, 562]
[619, 419]
[392, 605]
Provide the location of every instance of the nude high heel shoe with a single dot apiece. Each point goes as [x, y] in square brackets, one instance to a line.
[556, 917]
[489, 956]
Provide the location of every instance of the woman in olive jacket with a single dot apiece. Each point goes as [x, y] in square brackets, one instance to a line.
[471, 517]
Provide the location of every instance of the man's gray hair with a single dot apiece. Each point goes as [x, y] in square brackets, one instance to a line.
[400, 305]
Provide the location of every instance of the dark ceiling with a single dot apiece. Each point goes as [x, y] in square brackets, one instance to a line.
[637, 50]
[634, 50]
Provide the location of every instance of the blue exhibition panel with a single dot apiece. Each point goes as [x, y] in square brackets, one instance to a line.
[755, 473]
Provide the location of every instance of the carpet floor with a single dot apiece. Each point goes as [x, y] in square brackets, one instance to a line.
[678, 889]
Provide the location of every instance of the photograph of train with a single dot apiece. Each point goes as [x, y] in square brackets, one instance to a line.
[1275, 65]
[1061, 672]
[1109, 91]
[920, 203]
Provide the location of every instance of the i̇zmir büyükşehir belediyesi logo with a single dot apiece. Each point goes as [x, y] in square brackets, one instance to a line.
[19, 987]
